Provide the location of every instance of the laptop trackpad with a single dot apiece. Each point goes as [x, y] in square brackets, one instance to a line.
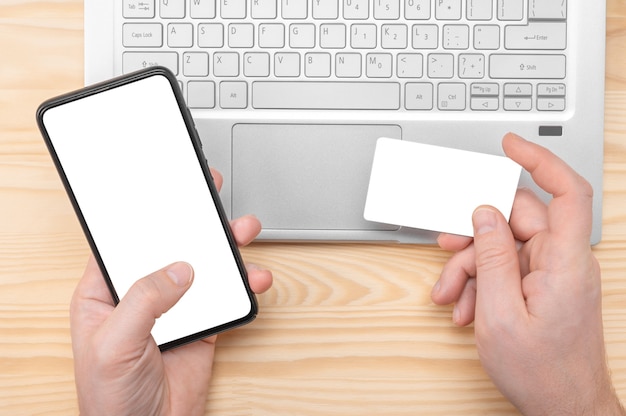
[295, 176]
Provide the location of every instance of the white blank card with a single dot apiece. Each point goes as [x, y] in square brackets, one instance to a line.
[437, 188]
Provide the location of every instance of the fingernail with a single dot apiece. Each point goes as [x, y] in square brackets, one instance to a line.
[484, 221]
[253, 266]
[516, 136]
[180, 273]
[456, 315]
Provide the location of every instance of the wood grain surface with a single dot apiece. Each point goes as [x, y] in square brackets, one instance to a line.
[347, 329]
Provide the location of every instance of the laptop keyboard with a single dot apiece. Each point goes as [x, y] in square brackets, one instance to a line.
[408, 55]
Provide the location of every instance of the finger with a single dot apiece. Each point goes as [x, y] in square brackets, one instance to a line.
[465, 308]
[529, 215]
[146, 300]
[454, 277]
[260, 279]
[218, 179]
[91, 304]
[453, 242]
[569, 213]
[92, 285]
[245, 229]
[498, 280]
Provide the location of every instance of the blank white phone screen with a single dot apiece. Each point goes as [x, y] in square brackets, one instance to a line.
[134, 172]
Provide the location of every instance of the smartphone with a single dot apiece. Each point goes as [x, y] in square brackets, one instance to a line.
[132, 164]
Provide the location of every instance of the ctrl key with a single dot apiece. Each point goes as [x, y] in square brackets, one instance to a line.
[134, 61]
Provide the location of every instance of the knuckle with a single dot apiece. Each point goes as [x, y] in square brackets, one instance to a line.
[492, 257]
[146, 290]
[586, 188]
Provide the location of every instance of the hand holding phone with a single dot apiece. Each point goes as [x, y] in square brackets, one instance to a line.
[132, 164]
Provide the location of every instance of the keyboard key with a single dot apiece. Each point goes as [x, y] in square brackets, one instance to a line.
[410, 65]
[256, 64]
[287, 64]
[486, 37]
[333, 36]
[551, 104]
[387, 9]
[518, 104]
[479, 9]
[230, 9]
[451, 96]
[202, 9]
[271, 35]
[484, 89]
[553, 90]
[240, 35]
[456, 36]
[363, 36]
[394, 36]
[536, 35]
[484, 103]
[142, 35]
[527, 66]
[233, 94]
[325, 9]
[448, 9]
[263, 9]
[326, 95]
[201, 94]
[348, 65]
[471, 65]
[210, 35]
[317, 65]
[547, 9]
[518, 89]
[226, 64]
[172, 9]
[378, 65]
[138, 9]
[134, 61]
[294, 9]
[425, 36]
[195, 64]
[417, 9]
[418, 96]
[440, 65]
[510, 9]
[302, 35]
[180, 35]
[356, 9]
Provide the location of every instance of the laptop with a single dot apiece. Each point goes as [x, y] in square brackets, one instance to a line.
[290, 96]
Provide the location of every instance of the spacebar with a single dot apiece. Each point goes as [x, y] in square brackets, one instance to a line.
[326, 95]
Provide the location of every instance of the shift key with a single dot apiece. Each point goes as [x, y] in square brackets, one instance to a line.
[134, 61]
[526, 66]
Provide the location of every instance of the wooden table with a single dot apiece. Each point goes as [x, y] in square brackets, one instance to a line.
[347, 329]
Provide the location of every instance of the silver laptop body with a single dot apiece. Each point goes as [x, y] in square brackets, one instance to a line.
[289, 96]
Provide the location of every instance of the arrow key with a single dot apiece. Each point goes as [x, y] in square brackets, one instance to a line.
[484, 103]
[550, 104]
[518, 104]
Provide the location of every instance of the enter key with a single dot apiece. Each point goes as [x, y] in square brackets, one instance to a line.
[536, 36]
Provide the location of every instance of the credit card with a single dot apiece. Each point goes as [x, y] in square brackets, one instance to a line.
[437, 188]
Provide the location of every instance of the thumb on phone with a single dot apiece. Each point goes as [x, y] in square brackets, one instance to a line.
[148, 298]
